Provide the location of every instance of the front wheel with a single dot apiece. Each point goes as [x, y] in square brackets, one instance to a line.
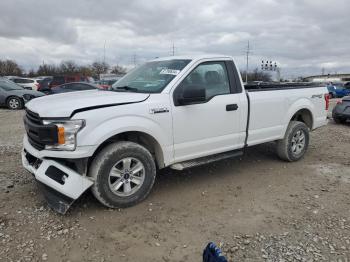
[124, 174]
[295, 142]
[14, 103]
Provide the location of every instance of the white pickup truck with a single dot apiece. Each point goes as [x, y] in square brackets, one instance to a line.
[175, 112]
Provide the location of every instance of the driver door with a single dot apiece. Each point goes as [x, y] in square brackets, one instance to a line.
[212, 125]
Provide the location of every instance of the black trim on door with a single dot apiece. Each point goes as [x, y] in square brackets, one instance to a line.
[235, 83]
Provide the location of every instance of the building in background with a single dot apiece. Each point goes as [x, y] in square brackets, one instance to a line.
[328, 78]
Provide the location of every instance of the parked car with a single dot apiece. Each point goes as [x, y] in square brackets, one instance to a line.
[70, 87]
[173, 112]
[331, 91]
[105, 84]
[60, 80]
[341, 111]
[27, 83]
[44, 84]
[14, 96]
[338, 90]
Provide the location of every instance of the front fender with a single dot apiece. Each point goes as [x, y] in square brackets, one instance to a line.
[100, 132]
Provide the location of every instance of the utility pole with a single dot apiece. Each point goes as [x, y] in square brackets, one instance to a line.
[134, 60]
[246, 72]
[104, 53]
[173, 49]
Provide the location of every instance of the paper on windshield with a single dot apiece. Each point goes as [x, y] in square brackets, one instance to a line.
[167, 71]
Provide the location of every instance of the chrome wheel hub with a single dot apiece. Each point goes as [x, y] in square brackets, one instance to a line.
[126, 176]
[298, 142]
[14, 103]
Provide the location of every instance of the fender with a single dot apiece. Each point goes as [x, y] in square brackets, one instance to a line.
[97, 134]
[303, 103]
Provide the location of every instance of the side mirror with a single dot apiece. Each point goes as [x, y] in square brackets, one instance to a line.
[192, 95]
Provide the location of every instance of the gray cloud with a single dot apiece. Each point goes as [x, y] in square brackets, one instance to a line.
[302, 35]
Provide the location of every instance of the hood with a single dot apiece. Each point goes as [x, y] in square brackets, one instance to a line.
[65, 105]
[21, 92]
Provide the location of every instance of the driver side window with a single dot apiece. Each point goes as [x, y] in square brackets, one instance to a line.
[212, 76]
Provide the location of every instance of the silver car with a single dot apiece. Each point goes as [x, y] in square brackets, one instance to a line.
[14, 96]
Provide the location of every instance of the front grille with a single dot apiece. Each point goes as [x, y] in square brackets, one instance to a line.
[33, 117]
[32, 121]
[36, 144]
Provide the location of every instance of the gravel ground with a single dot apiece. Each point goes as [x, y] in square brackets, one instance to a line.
[257, 208]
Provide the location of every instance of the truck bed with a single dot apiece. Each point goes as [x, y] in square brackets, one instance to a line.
[252, 87]
[270, 111]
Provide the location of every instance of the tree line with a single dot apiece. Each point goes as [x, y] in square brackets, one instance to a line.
[12, 68]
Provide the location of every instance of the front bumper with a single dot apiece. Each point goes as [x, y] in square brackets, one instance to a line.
[62, 185]
[79, 152]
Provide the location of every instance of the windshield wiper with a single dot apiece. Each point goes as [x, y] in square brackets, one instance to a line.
[126, 88]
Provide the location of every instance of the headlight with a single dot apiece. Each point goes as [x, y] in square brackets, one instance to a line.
[66, 133]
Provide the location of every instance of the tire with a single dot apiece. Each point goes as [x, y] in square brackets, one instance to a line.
[115, 185]
[295, 142]
[14, 103]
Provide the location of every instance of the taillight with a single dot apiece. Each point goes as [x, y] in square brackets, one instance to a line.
[326, 98]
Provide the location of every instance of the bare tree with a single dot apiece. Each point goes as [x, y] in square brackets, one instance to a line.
[47, 70]
[10, 67]
[85, 70]
[99, 68]
[68, 67]
[118, 70]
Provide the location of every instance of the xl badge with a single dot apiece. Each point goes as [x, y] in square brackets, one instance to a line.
[158, 110]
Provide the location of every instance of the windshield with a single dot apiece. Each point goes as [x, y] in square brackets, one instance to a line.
[8, 85]
[151, 77]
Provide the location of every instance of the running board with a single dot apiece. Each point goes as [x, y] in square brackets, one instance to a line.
[205, 160]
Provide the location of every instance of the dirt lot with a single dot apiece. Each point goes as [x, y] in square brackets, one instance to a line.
[257, 208]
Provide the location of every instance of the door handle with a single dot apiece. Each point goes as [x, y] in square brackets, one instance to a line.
[231, 107]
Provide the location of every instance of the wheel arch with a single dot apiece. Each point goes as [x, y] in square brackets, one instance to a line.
[304, 115]
[141, 138]
[302, 110]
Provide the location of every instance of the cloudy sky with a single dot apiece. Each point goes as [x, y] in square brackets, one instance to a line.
[302, 36]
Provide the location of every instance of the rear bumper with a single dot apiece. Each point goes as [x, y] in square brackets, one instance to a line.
[340, 115]
[62, 185]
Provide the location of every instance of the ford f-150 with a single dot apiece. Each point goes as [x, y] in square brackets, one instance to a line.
[175, 112]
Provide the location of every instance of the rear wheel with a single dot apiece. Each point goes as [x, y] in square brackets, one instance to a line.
[124, 174]
[14, 103]
[295, 142]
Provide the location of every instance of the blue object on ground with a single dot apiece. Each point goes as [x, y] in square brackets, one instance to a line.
[213, 254]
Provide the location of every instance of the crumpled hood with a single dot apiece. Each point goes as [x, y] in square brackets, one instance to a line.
[64, 105]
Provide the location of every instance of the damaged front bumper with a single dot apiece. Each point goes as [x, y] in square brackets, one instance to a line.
[61, 185]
